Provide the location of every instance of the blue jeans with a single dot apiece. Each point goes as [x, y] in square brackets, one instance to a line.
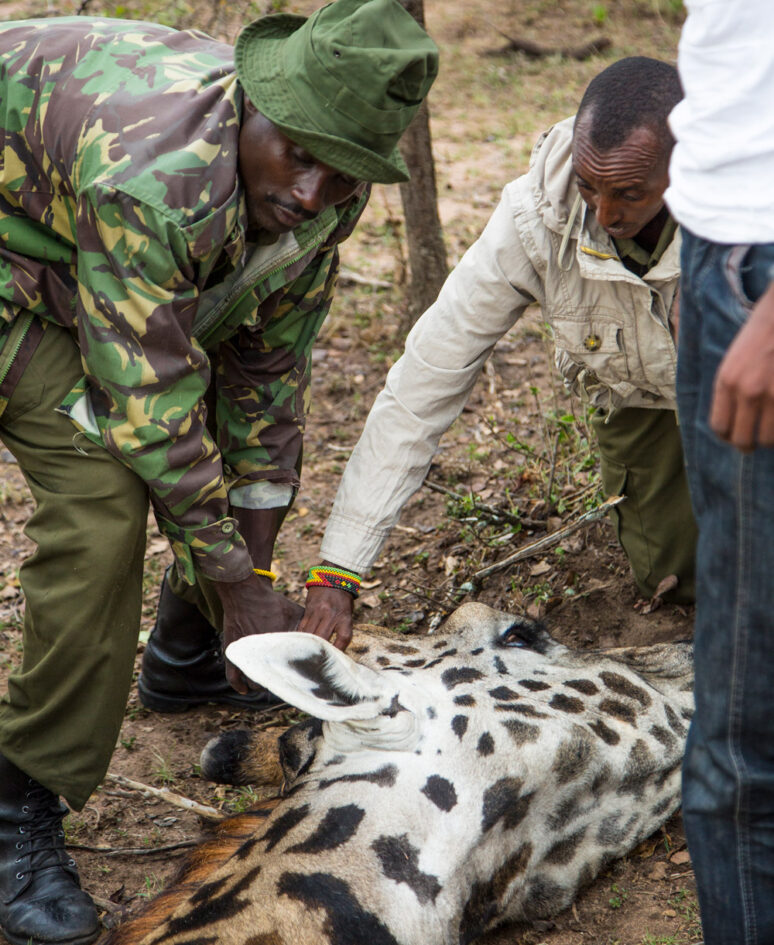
[728, 774]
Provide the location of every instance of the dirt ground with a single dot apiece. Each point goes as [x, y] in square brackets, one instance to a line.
[517, 465]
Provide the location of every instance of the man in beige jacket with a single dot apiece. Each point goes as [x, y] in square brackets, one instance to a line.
[584, 233]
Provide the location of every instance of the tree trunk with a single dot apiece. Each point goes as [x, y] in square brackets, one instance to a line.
[426, 250]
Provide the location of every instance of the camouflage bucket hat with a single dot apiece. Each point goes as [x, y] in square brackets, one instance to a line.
[343, 83]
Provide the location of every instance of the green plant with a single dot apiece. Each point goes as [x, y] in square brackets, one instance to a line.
[244, 800]
[72, 828]
[163, 772]
[152, 886]
[619, 897]
[685, 903]
[541, 591]
[599, 13]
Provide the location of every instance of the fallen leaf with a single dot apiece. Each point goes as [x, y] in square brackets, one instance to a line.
[9, 591]
[647, 848]
[681, 857]
[118, 894]
[669, 914]
[370, 600]
[542, 567]
[669, 583]
[157, 546]
[450, 564]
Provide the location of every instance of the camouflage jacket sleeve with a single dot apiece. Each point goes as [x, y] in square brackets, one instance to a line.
[148, 376]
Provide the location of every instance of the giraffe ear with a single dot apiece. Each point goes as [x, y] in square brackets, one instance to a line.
[312, 675]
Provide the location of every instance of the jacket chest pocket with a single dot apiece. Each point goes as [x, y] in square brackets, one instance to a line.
[594, 343]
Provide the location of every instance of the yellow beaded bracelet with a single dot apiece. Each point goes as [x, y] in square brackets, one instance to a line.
[262, 573]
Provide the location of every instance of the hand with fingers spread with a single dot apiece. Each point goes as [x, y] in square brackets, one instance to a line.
[742, 411]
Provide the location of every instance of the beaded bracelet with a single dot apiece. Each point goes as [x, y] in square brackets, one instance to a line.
[324, 576]
[262, 573]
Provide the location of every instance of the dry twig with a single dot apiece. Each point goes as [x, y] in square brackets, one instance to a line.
[349, 275]
[539, 546]
[169, 797]
[534, 50]
[132, 851]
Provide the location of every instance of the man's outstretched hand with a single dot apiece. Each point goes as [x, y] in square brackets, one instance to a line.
[742, 411]
[251, 606]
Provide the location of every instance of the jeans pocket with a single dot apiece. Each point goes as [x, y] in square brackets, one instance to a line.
[747, 269]
[736, 269]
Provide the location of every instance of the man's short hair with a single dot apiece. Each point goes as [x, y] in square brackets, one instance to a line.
[632, 93]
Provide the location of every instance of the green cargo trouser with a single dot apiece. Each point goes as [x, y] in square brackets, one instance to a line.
[83, 585]
[642, 458]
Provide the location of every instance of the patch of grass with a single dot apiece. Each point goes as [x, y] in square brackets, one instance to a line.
[152, 885]
[245, 799]
[163, 772]
[72, 828]
[619, 897]
[685, 903]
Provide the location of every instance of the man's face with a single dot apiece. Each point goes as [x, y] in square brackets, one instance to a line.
[624, 187]
[284, 185]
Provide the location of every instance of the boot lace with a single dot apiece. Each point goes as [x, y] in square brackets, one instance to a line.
[42, 832]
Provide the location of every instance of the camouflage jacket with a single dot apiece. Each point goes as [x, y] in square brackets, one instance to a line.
[122, 219]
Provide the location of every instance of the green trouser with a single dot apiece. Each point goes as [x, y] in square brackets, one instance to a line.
[642, 458]
[83, 585]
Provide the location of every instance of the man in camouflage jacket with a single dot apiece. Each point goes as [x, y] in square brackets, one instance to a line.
[169, 223]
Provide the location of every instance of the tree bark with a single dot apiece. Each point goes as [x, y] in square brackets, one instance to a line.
[426, 249]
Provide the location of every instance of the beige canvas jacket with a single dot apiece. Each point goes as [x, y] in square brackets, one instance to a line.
[611, 328]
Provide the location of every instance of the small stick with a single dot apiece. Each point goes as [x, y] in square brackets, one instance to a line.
[536, 547]
[535, 51]
[129, 851]
[349, 275]
[553, 469]
[177, 800]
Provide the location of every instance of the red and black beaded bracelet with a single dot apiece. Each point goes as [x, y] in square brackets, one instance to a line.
[324, 576]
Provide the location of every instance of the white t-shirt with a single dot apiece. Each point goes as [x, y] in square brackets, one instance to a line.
[722, 168]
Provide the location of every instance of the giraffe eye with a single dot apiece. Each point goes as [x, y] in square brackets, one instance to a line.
[524, 634]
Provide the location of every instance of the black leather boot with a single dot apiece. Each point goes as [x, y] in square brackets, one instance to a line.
[41, 900]
[183, 664]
